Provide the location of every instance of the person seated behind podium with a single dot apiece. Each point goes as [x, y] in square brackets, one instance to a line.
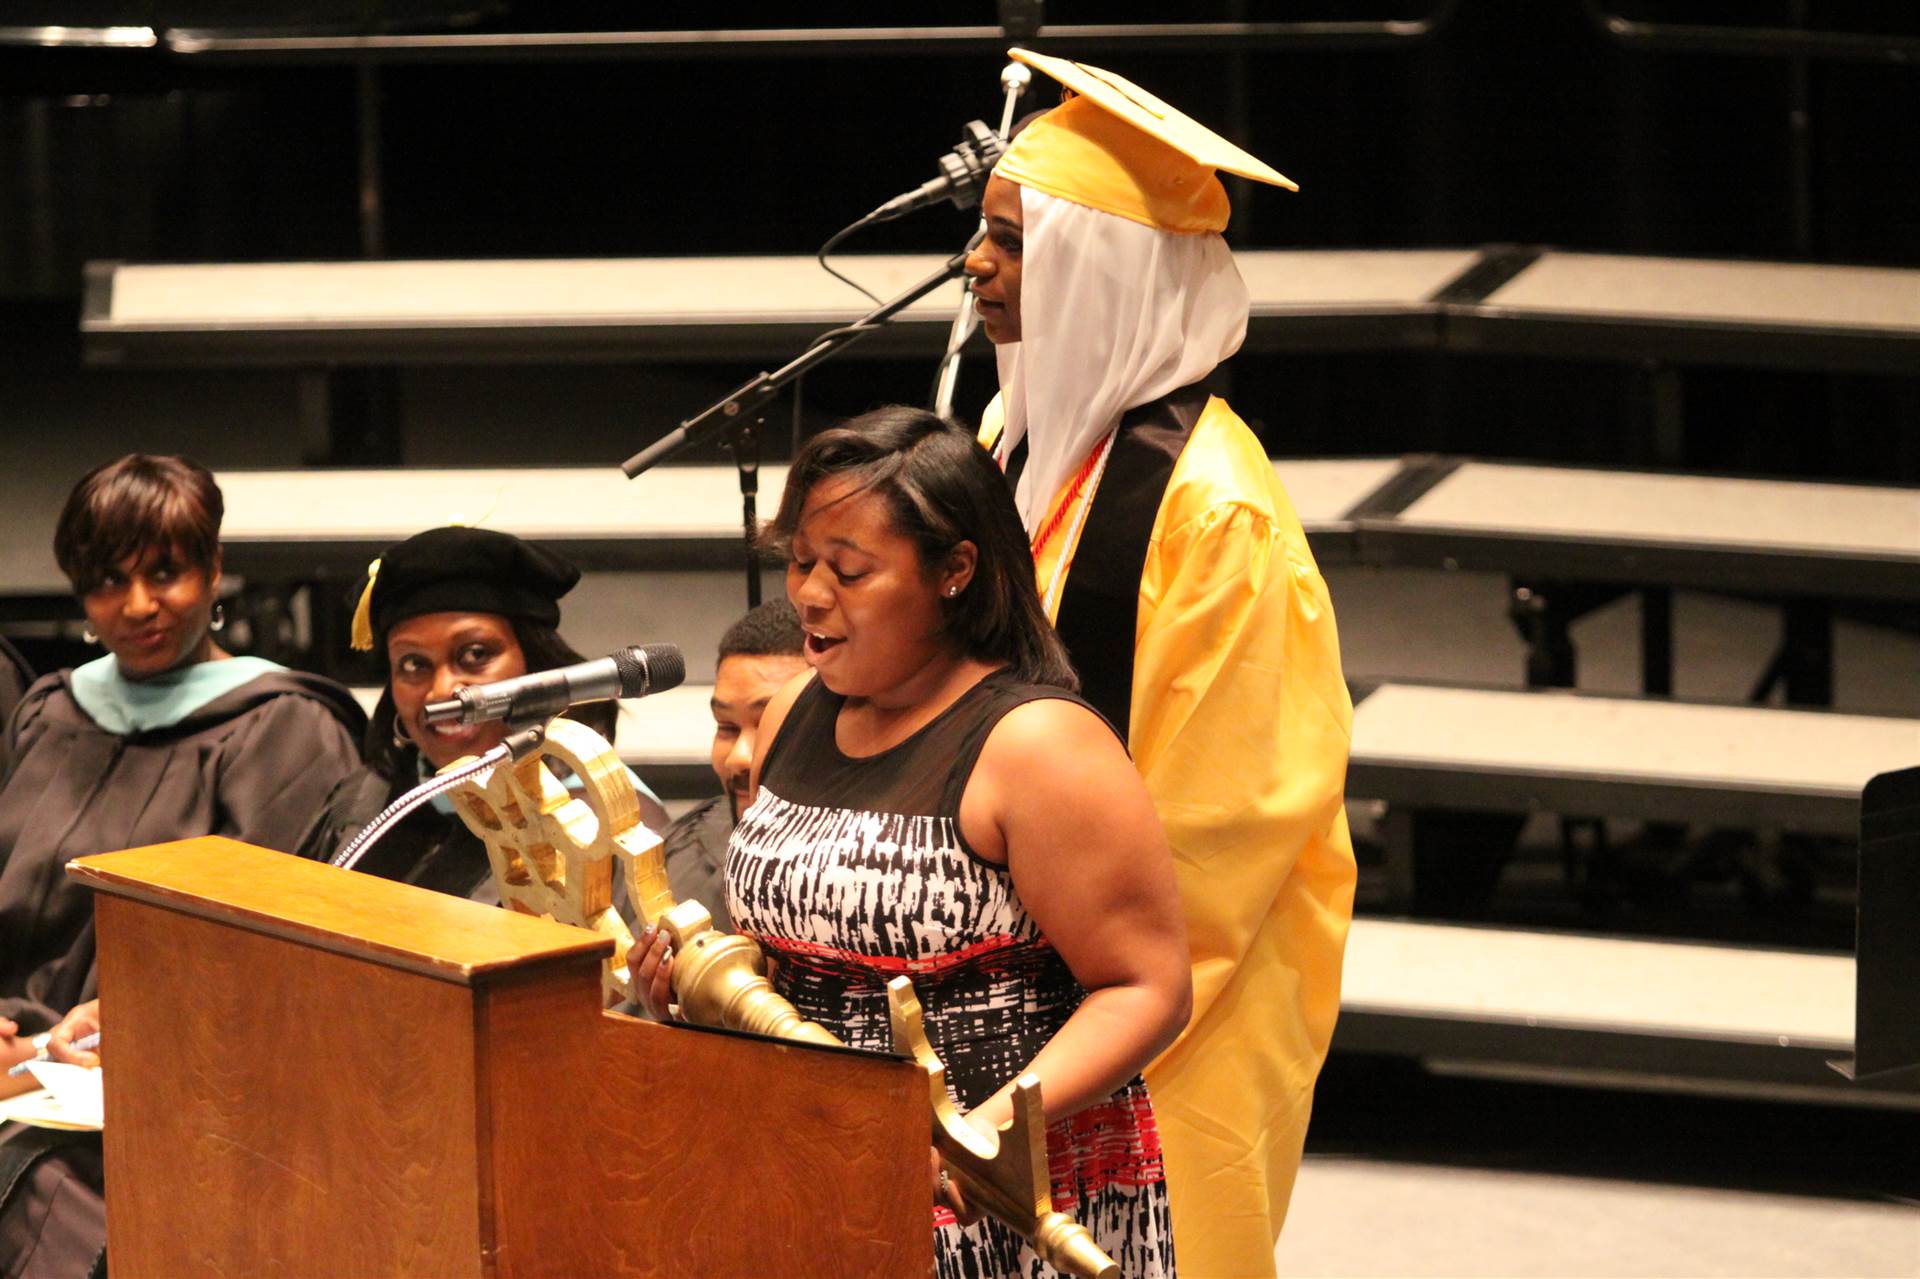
[448, 608]
[166, 737]
[932, 799]
[759, 654]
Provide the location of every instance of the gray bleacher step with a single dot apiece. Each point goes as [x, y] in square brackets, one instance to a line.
[1654, 529]
[282, 523]
[1417, 744]
[306, 313]
[1557, 303]
[1589, 306]
[1573, 753]
[1665, 1014]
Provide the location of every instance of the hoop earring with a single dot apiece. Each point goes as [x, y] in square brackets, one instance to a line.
[217, 620]
[400, 739]
[86, 633]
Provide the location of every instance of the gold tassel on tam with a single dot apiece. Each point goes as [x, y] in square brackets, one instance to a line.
[362, 634]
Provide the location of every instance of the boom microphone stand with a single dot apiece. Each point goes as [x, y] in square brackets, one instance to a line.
[742, 412]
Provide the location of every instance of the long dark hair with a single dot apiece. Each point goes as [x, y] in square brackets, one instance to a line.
[543, 648]
[941, 489]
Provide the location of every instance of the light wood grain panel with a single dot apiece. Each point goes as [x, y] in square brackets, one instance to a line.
[650, 1150]
[275, 1109]
[314, 904]
[326, 1086]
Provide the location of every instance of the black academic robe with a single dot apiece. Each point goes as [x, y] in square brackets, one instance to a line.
[429, 849]
[696, 856]
[15, 677]
[255, 764]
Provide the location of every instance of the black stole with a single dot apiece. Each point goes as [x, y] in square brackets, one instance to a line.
[1100, 605]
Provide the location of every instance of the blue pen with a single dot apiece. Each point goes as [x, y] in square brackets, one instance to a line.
[86, 1043]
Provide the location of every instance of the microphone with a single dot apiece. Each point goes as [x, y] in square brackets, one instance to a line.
[630, 672]
[963, 175]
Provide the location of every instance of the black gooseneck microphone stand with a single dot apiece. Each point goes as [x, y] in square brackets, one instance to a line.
[741, 413]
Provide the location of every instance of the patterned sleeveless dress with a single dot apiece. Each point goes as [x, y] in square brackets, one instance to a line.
[852, 871]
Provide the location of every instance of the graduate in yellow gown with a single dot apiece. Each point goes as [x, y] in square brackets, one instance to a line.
[1176, 570]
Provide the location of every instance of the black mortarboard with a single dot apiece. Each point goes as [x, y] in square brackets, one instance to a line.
[461, 570]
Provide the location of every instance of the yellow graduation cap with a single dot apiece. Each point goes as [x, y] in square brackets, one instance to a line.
[1112, 146]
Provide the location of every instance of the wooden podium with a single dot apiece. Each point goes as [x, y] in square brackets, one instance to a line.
[315, 1072]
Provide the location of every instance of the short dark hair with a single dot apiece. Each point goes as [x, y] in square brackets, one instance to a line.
[771, 629]
[541, 646]
[136, 504]
[942, 489]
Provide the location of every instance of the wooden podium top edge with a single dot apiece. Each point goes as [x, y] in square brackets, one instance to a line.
[397, 925]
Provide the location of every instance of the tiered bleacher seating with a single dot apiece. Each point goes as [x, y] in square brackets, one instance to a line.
[1498, 998]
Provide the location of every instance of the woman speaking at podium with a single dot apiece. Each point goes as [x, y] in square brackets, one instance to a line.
[165, 737]
[933, 801]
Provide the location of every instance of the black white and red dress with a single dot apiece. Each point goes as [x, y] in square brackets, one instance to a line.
[852, 871]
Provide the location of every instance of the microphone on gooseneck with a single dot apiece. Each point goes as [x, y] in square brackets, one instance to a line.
[630, 672]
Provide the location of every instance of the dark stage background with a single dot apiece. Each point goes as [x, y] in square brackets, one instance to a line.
[1516, 121]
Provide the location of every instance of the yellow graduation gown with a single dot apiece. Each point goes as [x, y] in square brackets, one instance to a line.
[1240, 723]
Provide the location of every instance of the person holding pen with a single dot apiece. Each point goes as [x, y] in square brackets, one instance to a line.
[166, 736]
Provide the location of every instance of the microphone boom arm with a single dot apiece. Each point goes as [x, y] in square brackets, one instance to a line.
[748, 401]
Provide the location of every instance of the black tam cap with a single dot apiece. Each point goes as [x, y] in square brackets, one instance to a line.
[461, 570]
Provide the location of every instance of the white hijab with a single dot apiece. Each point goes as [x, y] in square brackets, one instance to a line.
[1113, 314]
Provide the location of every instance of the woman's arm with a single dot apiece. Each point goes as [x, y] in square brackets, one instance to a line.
[1055, 796]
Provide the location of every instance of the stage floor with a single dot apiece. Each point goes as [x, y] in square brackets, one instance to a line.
[1355, 1217]
[1410, 1173]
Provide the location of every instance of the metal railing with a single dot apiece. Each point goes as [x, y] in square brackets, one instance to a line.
[257, 46]
[1746, 41]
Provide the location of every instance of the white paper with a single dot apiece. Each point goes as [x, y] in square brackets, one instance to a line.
[74, 1094]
